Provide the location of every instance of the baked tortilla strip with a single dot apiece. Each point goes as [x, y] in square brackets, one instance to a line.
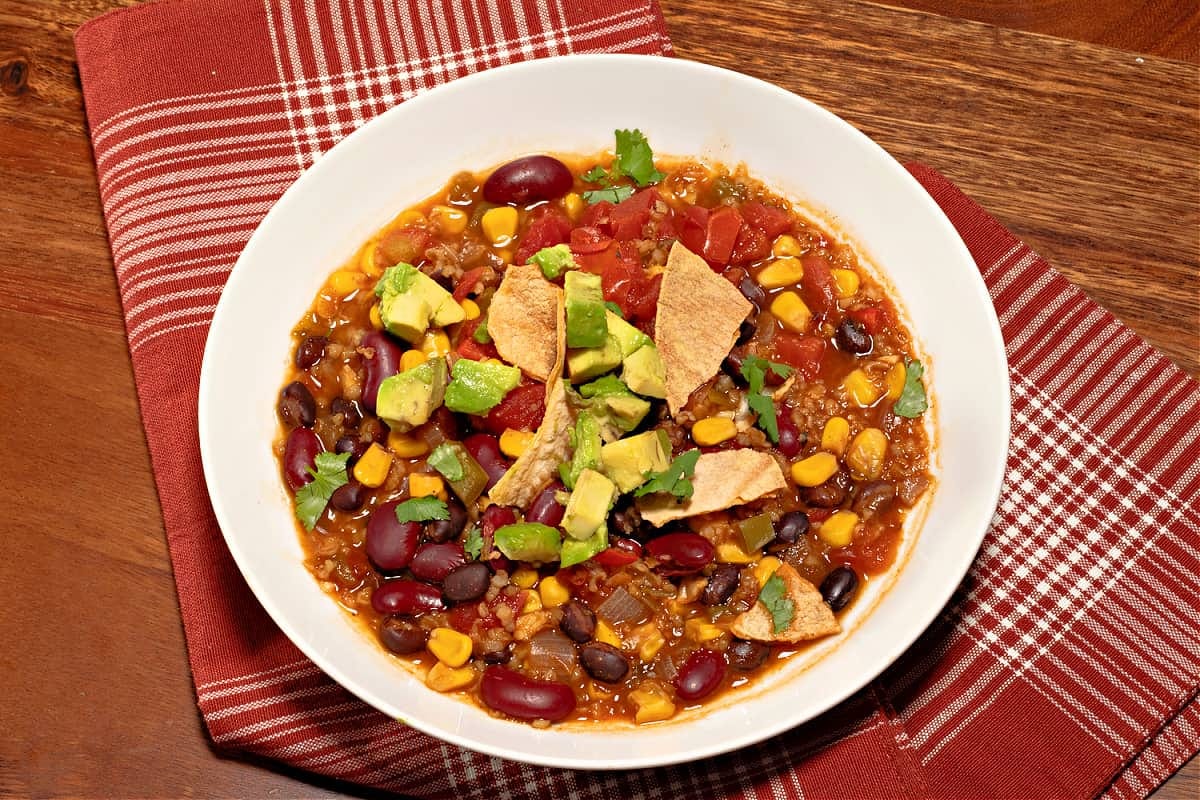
[721, 480]
[699, 314]
[811, 617]
[521, 320]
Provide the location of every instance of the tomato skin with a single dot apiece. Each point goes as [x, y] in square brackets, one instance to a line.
[724, 223]
[751, 245]
[468, 282]
[693, 228]
[521, 409]
[587, 240]
[549, 227]
[597, 215]
[621, 552]
[873, 318]
[624, 282]
[469, 348]
[771, 220]
[817, 286]
[630, 216]
[799, 351]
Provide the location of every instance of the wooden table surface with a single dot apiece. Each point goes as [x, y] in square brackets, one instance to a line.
[1089, 153]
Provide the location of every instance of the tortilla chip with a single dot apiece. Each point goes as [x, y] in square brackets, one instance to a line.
[699, 314]
[811, 619]
[522, 320]
[722, 480]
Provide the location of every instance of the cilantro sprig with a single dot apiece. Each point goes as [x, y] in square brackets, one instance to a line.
[754, 370]
[675, 479]
[635, 160]
[912, 401]
[422, 509]
[473, 544]
[329, 472]
[774, 598]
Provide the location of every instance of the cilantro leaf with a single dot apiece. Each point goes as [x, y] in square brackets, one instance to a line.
[481, 334]
[754, 370]
[674, 479]
[613, 307]
[635, 158]
[774, 598]
[912, 401]
[596, 174]
[422, 509]
[764, 407]
[613, 194]
[445, 461]
[473, 544]
[328, 474]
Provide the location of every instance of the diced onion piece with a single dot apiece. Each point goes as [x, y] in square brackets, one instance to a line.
[551, 651]
[620, 607]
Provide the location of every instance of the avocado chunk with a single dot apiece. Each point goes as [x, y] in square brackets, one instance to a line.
[405, 315]
[409, 398]
[629, 337]
[585, 439]
[553, 261]
[528, 541]
[587, 509]
[477, 386]
[621, 409]
[587, 363]
[627, 411]
[645, 373]
[576, 551]
[409, 301]
[626, 461]
[587, 325]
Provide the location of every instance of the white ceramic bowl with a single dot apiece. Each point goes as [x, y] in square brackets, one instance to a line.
[573, 104]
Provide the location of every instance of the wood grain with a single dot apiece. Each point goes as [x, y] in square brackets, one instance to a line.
[1086, 152]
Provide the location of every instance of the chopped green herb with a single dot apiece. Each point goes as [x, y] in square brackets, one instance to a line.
[613, 194]
[473, 544]
[481, 334]
[674, 479]
[596, 174]
[754, 370]
[422, 509]
[445, 461]
[613, 307]
[635, 158]
[774, 598]
[553, 261]
[396, 280]
[329, 473]
[912, 401]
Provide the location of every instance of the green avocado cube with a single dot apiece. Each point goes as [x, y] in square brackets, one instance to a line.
[409, 398]
[626, 461]
[627, 411]
[587, 508]
[629, 337]
[553, 261]
[576, 551]
[583, 300]
[586, 441]
[476, 386]
[587, 363]
[405, 315]
[409, 300]
[645, 373]
[528, 541]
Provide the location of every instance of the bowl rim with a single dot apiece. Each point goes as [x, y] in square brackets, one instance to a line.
[330, 161]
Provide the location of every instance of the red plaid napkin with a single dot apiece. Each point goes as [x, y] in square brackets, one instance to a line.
[1068, 664]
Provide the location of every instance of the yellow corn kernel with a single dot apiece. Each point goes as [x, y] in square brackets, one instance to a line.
[434, 344]
[406, 446]
[814, 470]
[470, 308]
[372, 469]
[786, 246]
[411, 217]
[573, 205]
[513, 443]
[605, 633]
[894, 381]
[733, 553]
[525, 578]
[449, 219]
[553, 593]
[650, 640]
[838, 530]
[790, 310]
[713, 430]
[499, 225]
[344, 282]
[451, 647]
[835, 436]
[845, 282]
[376, 320]
[765, 568]
[366, 261]
[423, 485]
[700, 630]
[866, 454]
[412, 359]
[505, 255]
[533, 602]
[780, 272]
[441, 678]
[653, 705]
[859, 388]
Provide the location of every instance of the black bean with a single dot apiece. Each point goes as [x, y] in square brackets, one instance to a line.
[829, 494]
[402, 635]
[873, 498]
[791, 527]
[466, 583]
[753, 292]
[373, 429]
[604, 662]
[310, 351]
[745, 656]
[839, 587]
[626, 520]
[501, 656]
[296, 405]
[721, 585]
[732, 365]
[851, 337]
[351, 416]
[578, 621]
[747, 329]
[349, 496]
[443, 530]
[356, 449]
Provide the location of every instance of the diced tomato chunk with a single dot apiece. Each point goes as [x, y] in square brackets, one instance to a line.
[873, 318]
[521, 409]
[771, 220]
[817, 286]
[469, 348]
[630, 216]
[597, 215]
[586, 240]
[468, 284]
[624, 282]
[548, 228]
[621, 552]
[751, 245]
[693, 228]
[799, 351]
[724, 223]
[407, 244]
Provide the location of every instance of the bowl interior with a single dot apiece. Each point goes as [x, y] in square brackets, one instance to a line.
[566, 105]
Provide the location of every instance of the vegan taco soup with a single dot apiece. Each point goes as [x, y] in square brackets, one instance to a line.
[601, 438]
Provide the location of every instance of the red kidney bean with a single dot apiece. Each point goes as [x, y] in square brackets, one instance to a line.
[604, 662]
[789, 437]
[468, 582]
[546, 509]
[681, 553]
[839, 587]
[433, 562]
[310, 351]
[349, 496]
[297, 406]
[486, 450]
[299, 456]
[745, 656]
[443, 530]
[402, 635]
[383, 364]
[700, 675]
[527, 180]
[391, 544]
[403, 596]
[512, 693]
